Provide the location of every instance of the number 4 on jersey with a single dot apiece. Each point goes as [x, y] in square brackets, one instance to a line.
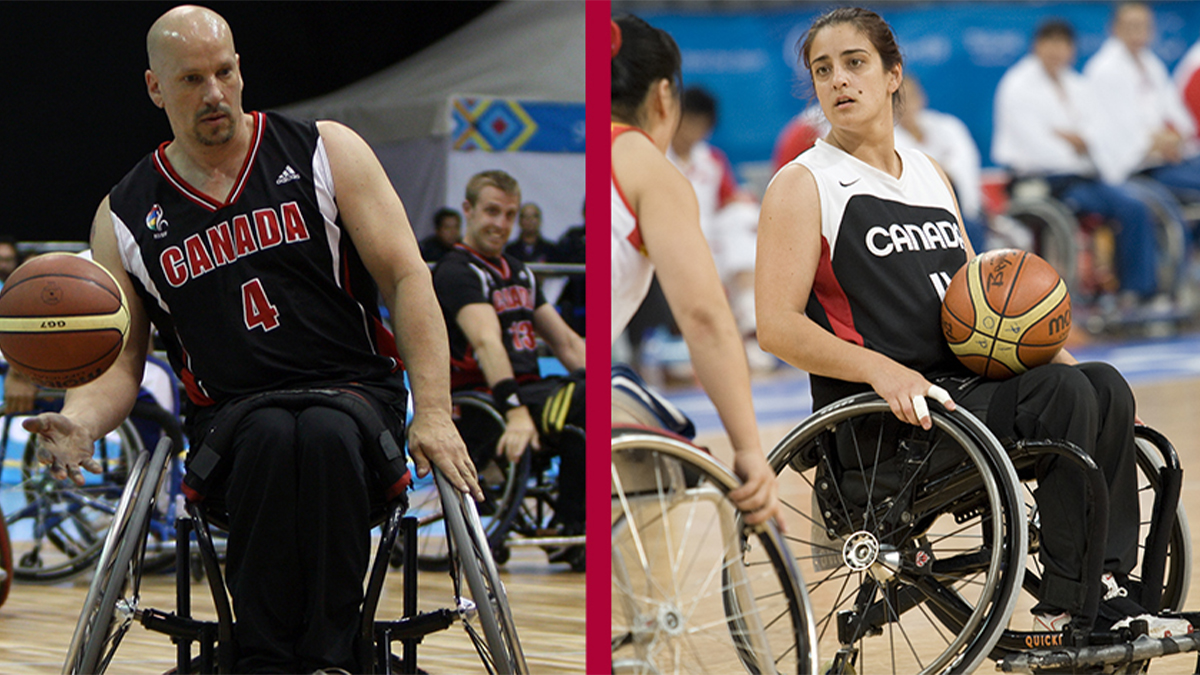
[941, 282]
[257, 310]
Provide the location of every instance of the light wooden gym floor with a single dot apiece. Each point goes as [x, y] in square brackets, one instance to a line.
[547, 602]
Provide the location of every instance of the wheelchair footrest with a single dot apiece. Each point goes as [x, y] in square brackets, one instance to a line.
[1078, 659]
[416, 626]
[174, 626]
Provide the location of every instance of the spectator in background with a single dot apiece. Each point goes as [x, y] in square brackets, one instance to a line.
[1144, 118]
[530, 245]
[728, 214]
[447, 231]
[946, 139]
[571, 248]
[1047, 127]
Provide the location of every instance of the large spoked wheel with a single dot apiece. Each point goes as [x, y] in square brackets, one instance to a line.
[693, 589]
[503, 485]
[486, 615]
[61, 527]
[912, 543]
[113, 596]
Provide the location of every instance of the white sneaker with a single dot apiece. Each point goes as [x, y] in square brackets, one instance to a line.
[1158, 626]
[1051, 623]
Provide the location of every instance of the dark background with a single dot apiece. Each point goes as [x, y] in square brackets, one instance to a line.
[75, 116]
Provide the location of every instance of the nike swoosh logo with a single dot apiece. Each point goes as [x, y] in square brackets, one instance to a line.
[850, 183]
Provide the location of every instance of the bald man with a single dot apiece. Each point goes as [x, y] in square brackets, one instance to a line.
[257, 245]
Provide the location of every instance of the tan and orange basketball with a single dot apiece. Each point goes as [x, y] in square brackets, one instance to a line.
[1005, 312]
[63, 320]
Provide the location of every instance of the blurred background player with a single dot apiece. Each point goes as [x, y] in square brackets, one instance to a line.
[728, 214]
[1048, 127]
[494, 312]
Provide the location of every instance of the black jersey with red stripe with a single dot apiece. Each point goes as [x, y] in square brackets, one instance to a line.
[465, 276]
[261, 290]
[889, 247]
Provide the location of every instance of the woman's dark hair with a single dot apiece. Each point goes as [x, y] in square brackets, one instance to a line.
[646, 55]
[1055, 29]
[868, 23]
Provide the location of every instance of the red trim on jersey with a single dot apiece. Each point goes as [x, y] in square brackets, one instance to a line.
[634, 237]
[729, 186]
[163, 165]
[502, 268]
[832, 298]
[193, 388]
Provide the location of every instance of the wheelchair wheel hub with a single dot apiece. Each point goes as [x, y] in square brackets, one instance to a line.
[860, 550]
[670, 619]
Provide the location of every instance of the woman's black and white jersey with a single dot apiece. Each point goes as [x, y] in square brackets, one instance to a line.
[889, 247]
[263, 290]
[464, 277]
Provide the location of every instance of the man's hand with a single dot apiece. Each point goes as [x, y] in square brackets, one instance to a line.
[434, 439]
[519, 433]
[758, 495]
[19, 392]
[63, 445]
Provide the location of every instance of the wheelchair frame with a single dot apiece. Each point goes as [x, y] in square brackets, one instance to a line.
[659, 589]
[112, 603]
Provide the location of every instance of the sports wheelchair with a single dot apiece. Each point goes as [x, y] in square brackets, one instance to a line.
[918, 548]
[113, 600]
[519, 498]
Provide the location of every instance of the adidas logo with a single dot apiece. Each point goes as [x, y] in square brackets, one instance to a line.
[289, 174]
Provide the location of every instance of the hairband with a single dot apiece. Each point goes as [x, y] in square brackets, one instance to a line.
[615, 31]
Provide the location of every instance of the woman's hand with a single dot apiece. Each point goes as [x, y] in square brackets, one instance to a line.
[758, 496]
[905, 390]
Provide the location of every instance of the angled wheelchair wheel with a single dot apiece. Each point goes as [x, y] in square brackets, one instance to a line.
[693, 589]
[912, 543]
[61, 526]
[486, 614]
[1053, 228]
[503, 484]
[113, 597]
[1155, 458]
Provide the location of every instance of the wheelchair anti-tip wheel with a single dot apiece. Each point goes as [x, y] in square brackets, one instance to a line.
[693, 589]
[912, 543]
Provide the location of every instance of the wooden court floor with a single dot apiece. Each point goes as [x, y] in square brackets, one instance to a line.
[547, 603]
[1171, 407]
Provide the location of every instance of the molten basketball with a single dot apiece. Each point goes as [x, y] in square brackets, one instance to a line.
[63, 320]
[1005, 312]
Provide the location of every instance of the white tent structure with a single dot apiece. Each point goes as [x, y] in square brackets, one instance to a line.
[505, 91]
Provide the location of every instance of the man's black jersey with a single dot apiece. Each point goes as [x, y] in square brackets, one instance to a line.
[889, 247]
[261, 290]
[465, 276]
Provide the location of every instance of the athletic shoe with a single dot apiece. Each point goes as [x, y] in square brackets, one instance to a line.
[1158, 626]
[1051, 623]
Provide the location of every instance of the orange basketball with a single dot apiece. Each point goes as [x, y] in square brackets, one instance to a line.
[1005, 312]
[63, 320]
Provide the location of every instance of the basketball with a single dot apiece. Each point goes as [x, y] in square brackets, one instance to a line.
[1005, 312]
[63, 320]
